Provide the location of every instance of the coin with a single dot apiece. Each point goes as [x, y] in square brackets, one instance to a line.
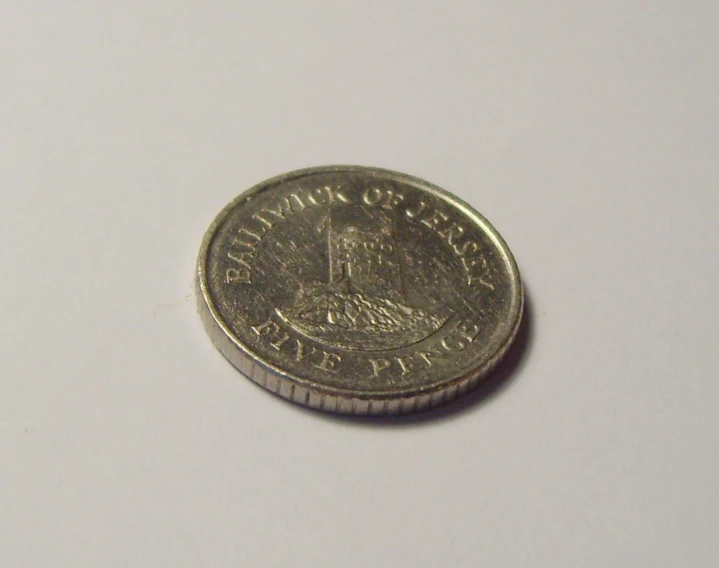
[358, 290]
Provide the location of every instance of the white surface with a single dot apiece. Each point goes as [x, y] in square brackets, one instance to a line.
[587, 132]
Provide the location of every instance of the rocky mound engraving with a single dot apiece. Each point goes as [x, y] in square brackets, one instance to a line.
[354, 321]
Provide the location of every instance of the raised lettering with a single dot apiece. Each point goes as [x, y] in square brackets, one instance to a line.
[329, 361]
[269, 223]
[405, 363]
[466, 247]
[459, 345]
[451, 234]
[301, 351]
[392, 199]
[234, 275]
[334, 194]
[281, 209]
[266, 327]
[434, 220]
[240, 258]
[467, 332]
[302, 205]
[372, 196]
[412, 214]
[427, 354]
[477, 269]
[379, 365]
[280, 342]
[318, 196]
[255, 236]
[248, 245]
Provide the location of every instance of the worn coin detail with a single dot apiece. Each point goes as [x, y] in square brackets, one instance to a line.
[358, 290]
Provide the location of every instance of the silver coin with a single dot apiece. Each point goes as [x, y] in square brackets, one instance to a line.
[358, 290]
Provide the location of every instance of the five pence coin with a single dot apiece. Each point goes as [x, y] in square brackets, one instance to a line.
[358, 290]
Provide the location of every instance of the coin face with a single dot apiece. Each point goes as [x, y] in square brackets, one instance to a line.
[358, 290]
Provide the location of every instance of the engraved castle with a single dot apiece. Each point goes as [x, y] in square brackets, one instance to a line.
[363, 303]
[365, 260]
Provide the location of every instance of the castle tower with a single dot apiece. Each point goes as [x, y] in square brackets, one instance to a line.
[363, 257]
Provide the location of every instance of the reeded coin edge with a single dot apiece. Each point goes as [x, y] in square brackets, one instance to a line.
[335, 399]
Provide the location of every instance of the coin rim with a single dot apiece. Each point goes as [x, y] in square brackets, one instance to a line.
[286, 384]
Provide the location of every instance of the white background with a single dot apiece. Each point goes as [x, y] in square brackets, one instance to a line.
[586, 132]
